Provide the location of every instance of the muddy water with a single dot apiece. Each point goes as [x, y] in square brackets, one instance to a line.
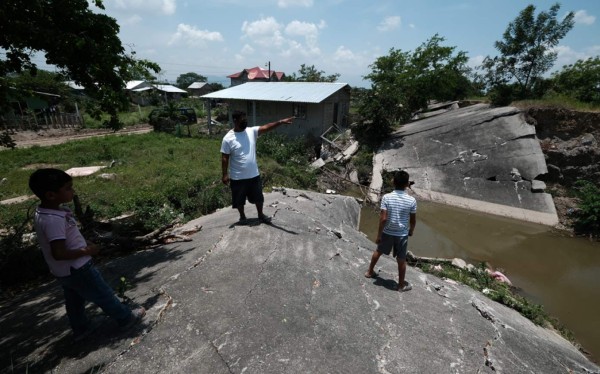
[559, 272]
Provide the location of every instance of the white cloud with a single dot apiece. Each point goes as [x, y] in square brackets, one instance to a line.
[293, 3]
[389, 23]
[247, 50]
[412, 25]
[566, 55]
[475, 61]
[161, 6]
[192, 36]
[343, 54]
[581, 16]
[265, 32]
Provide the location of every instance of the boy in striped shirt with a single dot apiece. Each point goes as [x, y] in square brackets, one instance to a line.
[397, 222]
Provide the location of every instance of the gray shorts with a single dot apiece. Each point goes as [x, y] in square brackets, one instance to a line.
[398, 243]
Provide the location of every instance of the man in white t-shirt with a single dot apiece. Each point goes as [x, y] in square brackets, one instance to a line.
[238, 162]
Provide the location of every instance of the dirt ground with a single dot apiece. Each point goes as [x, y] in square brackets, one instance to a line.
[53, 136]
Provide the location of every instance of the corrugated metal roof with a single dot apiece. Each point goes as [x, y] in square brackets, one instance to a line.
[297, 92]
[169, 88]
[196, 85]
[133, 84]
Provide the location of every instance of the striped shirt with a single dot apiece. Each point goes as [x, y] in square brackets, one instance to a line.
[399, 205]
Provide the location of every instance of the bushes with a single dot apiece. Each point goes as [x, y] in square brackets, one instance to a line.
[588, 217]
[289, 164]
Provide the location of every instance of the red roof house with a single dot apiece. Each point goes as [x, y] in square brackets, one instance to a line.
[256, 74]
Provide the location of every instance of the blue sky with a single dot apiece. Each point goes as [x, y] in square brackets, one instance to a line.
[216, 38]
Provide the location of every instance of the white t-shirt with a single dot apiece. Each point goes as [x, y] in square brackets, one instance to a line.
[53, 225]
[241, 148]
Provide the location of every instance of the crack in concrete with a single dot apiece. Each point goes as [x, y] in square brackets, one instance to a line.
[262, 269]
[220, 356]
[484, 311]
[527, 136]
[493, 118]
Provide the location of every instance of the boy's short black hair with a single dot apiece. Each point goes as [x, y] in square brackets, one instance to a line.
[237, 115]
[47, 180]
[401, 179]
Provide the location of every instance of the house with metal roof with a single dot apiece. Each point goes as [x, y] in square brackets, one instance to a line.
[316, 105]
[198, 88]
[256, 74]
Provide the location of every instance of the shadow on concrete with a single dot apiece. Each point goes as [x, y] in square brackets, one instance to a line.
[386, 283]
[257, 222]
[34, 324]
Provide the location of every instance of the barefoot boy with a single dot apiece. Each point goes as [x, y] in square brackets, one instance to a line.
[68, 255]
[397, 210]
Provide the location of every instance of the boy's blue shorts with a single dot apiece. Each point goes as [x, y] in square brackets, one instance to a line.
[398, 243]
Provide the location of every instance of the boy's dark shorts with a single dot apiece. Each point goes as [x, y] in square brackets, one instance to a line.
[246, 188]
[398, 243]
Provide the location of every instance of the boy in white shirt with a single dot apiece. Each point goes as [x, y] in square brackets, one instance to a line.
[68, 255]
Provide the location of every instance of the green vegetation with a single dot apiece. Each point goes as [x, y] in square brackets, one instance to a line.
[128, 119]
[557, 101]
[157, 177]
[478, 279]
[404, 82]
[588, 216]
[526, 53]
[580, 80]
[311, 74]
[97, 61]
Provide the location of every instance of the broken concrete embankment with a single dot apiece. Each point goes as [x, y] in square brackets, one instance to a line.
[283, 298]
[477, 157]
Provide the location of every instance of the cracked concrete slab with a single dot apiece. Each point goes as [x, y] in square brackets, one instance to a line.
[470, 155]
[283, 298]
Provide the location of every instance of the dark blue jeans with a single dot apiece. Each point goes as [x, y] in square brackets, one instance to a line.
[86, 284]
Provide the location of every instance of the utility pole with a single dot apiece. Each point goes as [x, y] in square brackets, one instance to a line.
[269, 79]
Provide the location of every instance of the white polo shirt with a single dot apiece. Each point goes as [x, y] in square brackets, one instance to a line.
[50, 225]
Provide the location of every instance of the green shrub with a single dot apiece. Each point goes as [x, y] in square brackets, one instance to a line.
[588, 216]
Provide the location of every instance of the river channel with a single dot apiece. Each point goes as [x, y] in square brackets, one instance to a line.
[559, 272]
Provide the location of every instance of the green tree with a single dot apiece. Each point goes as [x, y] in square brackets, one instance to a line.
[580, 80]
[311, 74]
[404, 82]
[82, 44]
[44, 81]
[184, 80]
[526, 51]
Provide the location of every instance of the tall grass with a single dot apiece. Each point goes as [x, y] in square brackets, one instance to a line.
[135, 116]
[558, 101]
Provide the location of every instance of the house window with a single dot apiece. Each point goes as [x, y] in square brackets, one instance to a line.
[300, 110]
